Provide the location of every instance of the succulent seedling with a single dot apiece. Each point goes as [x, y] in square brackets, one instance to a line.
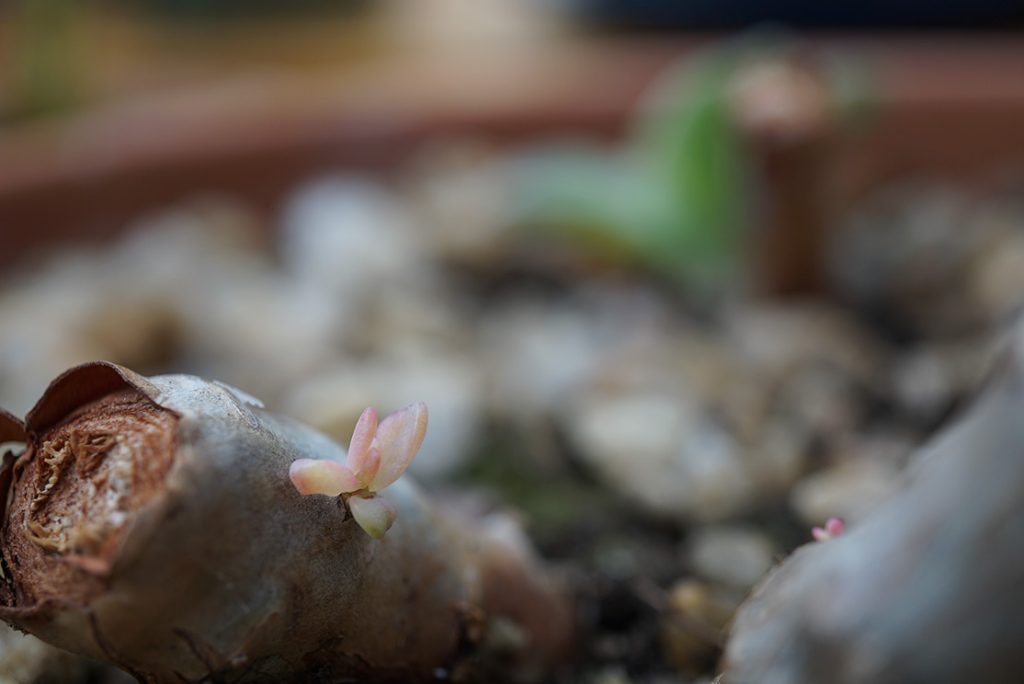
[832, 529]
[377, 456]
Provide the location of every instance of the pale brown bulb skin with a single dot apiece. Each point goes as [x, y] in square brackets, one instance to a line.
[210, 563]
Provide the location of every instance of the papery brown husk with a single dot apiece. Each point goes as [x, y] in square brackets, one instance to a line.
[209, 565]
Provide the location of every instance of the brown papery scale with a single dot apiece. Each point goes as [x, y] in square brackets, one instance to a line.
[150, 522]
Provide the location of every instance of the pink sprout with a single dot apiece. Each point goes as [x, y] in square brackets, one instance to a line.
[378, 454]
[832, 529]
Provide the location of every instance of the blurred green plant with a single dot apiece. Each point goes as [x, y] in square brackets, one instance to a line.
[671, 198]
[675, 197]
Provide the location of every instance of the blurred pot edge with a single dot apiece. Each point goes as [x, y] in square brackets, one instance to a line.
[946, 106]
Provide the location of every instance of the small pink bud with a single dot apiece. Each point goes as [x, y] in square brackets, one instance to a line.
[378, 454]
[835, 526]
[832, 529]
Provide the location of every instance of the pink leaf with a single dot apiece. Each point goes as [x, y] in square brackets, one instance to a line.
[362, 440]
[399, 437]
[311, 476]
[370, 467]
[375, 515]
